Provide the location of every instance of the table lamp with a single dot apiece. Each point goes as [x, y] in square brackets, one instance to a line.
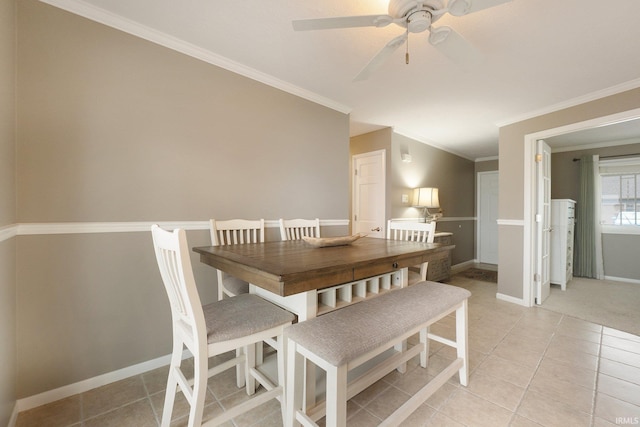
[427, 198]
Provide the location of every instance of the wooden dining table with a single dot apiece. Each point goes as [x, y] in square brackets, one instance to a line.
[310, 280]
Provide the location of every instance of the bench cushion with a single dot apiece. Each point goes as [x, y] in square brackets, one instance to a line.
[342, 335]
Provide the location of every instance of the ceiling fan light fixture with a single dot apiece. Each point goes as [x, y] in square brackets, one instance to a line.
[459, 7]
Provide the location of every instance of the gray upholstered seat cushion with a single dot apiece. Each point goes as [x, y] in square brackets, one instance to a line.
[235, 285]
[342, 335]
[242, 315]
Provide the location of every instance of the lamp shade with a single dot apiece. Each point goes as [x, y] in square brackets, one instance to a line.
[426, 197]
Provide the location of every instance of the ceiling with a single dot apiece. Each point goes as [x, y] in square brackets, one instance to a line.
[537, 56]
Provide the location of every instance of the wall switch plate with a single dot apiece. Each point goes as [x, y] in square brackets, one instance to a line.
[405, 198]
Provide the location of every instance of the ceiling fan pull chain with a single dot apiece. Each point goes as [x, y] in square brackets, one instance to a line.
[406, 55]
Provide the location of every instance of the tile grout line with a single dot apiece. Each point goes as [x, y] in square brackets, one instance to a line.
[595, 391]
[526, 390]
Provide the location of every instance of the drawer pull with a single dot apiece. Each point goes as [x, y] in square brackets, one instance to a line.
[394, 265]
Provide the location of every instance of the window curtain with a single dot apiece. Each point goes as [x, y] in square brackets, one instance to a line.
[586, 260]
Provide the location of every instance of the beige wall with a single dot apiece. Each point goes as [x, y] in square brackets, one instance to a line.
[512, 179]
[7, 211]
[486, 166]
[113, 128]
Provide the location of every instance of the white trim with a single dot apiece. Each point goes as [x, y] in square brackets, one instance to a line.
[622, 279]
[596, 145]
[8, 231]
[123, 227]
[509, 298]
[118, 22]
[623, 87]
[513, 222]
[463, 265]
[486, 159]
[91, 383]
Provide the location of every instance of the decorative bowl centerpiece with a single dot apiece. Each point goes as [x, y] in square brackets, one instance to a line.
[323, 242]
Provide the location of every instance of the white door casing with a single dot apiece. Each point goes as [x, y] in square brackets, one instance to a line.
[369, 188]
[487, 217]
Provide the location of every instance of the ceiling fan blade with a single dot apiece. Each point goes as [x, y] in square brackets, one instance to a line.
[342, 22]
[454, 46]
[465, 7]
[381, 57]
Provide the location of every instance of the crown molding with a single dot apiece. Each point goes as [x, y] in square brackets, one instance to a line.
[94, 13]
[593, 96]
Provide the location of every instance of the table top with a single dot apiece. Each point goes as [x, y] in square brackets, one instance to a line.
[290, 267]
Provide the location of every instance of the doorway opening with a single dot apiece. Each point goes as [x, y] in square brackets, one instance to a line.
[532, 191]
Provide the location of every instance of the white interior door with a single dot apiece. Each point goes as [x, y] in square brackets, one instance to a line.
[543, 221]
[369, 176]
[488, 217]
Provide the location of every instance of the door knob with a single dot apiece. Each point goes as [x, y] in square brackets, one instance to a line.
[376, 229]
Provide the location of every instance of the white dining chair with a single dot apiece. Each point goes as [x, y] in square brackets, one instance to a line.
[211, 330]
[295, 229]
[234, 232]
[413, 232]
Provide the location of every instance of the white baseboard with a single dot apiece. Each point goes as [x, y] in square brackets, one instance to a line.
[511, 299]
[622, 279]
[89, 384]
[463, 266]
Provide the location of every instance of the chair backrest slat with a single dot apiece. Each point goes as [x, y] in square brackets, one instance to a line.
[296, 229]
[174, 263]
[236, 231]
[411, 231]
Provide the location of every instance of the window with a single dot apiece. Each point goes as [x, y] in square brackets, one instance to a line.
[620, 192]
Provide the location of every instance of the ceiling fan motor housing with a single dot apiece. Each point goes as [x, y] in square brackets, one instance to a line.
[419, 21]
[415, 16]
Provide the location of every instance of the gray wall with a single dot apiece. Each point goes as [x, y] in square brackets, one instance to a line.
[430, 167]
[7, 210]
[619, 251]
[113, 128]
[512, 179]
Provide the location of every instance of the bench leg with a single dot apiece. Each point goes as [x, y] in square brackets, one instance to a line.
[462, 342]
[424, 342]
[402, 348]
[336, 415]
[295, 384]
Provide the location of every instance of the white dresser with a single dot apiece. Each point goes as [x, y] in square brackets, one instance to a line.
[563, 217]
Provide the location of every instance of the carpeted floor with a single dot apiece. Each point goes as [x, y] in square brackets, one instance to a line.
[480, 274]
[608, 303]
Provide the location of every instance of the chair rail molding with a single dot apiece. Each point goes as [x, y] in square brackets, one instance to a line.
[23, 229]
[514, 222]
[8, 231]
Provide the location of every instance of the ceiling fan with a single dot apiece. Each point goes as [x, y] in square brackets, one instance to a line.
[416, 16]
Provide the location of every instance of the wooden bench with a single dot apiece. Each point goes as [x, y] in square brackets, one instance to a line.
[349, 337]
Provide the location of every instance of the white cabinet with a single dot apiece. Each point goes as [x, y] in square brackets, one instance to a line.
[563, 217]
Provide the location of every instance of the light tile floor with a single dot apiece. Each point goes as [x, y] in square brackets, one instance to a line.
[529, 367]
